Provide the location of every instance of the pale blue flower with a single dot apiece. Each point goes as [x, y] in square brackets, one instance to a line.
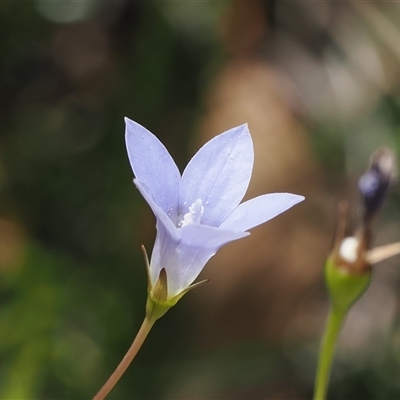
[200, 211]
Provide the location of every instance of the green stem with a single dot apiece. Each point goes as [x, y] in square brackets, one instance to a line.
[129, 356]
[332, 330]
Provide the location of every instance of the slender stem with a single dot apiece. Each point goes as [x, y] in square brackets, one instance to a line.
[129, 356]
[332, 329]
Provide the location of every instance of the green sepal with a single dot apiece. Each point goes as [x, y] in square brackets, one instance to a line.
[158, 302]
[157, 296]
[344, 287]
[188, 289]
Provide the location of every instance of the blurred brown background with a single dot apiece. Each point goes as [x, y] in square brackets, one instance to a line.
[318, 84]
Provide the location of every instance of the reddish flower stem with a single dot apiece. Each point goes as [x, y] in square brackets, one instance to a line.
[126, 361]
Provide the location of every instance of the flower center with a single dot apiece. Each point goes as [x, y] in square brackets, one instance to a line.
[193, 216]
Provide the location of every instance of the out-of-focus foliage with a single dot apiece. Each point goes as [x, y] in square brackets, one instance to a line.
[318, 84]
[72, 278]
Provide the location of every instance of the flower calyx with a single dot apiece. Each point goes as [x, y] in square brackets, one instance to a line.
[158, 300]
[347, 269]
[350, 253]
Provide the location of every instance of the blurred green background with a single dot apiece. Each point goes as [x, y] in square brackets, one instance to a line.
[319, 85]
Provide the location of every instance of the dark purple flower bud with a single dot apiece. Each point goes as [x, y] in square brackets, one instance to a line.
[375, 182]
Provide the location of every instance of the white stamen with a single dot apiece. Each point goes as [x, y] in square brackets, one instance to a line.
[193, 216]
[349, 249]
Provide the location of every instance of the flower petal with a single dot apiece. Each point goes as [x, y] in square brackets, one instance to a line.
[259, 210]
[159, 213]
[163, 254]
[208, 236]
[192, 261]
[218, 175]
[182, 263]
[184, 259]
[153, 165]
